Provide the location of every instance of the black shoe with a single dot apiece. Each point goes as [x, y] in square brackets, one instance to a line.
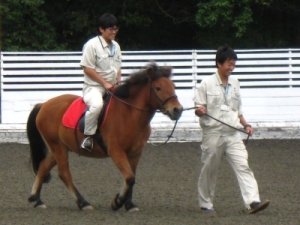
[87, 143]
[258, 206]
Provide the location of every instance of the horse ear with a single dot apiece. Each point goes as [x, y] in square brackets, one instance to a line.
[169, 71]
[150, 73]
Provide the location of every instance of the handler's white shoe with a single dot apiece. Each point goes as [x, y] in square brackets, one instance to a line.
[208, 211]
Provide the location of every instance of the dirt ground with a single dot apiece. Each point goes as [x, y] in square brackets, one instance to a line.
[165, 190]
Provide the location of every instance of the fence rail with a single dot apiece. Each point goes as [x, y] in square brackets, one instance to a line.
[269, 79]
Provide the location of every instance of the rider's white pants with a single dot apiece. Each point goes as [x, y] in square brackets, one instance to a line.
[92, 96]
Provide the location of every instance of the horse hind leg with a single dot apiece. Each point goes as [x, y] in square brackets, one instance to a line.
[43, 176]
[65, 175]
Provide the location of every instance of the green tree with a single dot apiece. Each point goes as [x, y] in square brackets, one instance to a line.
[237, 14]
[47, 25]
[25, 26]
[250, 23]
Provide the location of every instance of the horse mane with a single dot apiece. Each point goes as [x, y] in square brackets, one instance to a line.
[141, 78]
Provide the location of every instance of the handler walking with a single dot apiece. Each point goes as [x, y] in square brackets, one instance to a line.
[219, 97]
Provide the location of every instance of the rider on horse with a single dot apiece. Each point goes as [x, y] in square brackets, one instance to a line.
[101, 63]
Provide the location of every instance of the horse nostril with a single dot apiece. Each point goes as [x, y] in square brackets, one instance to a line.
[178, 110]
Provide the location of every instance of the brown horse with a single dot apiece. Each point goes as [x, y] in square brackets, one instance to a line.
[125, 132]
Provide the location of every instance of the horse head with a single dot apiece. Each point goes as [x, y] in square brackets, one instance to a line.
[163, 90]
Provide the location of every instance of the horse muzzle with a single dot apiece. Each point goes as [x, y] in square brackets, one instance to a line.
[174, 113]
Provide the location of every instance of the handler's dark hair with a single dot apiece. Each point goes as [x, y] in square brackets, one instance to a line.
[106, 20]
[223, 53]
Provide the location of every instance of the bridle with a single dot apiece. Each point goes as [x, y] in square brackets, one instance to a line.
[159, 101]
[161, 108]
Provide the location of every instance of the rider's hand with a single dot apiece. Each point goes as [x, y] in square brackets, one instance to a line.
[108, 86]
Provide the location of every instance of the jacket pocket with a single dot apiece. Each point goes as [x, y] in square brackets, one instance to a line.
[235, 101]
[213, 99]
[102, 61]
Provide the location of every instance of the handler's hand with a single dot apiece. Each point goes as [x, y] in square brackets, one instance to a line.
[200, 111]
[249, 130]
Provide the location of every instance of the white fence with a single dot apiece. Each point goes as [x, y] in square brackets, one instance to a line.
[270, 86]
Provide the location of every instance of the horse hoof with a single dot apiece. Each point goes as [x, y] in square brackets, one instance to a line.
[116, 203]
[114, 207]
[84, 205]
[38, 202]
[135, 209]
[43, 206]
[130, 207]
[88, 207]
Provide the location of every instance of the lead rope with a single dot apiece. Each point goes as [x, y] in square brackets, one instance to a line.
[169, 136]
[224, 124]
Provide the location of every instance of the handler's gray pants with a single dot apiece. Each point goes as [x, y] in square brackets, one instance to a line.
[213, 147]
[92, 96]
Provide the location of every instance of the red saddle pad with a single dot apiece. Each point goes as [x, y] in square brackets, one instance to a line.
[73, 113]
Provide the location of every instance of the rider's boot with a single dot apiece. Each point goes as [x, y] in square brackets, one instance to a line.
[87, 143]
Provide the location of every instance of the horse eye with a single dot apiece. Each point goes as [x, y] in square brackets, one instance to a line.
[157, 89]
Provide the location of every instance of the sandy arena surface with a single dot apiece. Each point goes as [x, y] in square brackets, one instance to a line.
[165, 189]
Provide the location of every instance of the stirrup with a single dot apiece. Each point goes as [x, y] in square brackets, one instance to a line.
[87, 143]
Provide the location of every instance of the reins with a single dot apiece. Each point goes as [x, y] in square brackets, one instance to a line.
[248, 135]
[126, 103]
[160, 103]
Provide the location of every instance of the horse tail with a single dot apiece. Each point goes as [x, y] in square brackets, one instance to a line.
[38, 148]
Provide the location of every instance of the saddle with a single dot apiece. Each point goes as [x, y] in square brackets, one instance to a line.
[74, 117]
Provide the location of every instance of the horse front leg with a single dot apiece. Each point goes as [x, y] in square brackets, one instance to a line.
[133, 160]
[124, 198]
[127, 166]
[129, 205]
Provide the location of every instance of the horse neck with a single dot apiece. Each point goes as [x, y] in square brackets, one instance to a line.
[141, 96]
[141, 103]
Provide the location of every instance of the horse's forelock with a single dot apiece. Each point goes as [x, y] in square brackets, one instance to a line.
[166, 71]
[136, 78]
[140, 78]
[159, 71]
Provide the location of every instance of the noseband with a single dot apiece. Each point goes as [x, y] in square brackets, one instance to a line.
[160, 102]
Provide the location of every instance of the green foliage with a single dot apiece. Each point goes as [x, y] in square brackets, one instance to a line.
[135, 19]
[25, 26]
[225, 13]
[250, 23]
[47, 25]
